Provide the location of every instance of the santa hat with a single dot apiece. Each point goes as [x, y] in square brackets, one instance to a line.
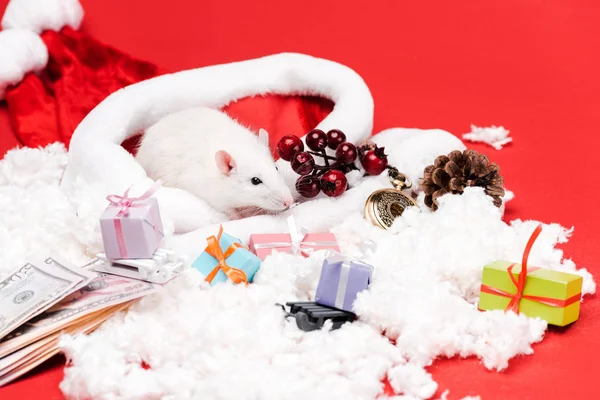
[52, 75]
[62, 85]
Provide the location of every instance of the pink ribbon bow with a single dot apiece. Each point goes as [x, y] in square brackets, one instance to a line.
[124, 203]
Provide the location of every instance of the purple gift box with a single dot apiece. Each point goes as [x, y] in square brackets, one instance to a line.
[131, 227]
[341, 281]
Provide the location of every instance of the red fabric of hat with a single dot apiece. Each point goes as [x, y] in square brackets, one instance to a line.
[81, 72]
[47, 103]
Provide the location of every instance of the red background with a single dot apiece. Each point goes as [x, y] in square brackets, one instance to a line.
[531, 66]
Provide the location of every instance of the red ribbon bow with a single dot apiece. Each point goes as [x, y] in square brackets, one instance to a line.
[515, 299]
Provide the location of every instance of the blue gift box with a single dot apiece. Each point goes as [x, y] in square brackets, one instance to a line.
[242, 258]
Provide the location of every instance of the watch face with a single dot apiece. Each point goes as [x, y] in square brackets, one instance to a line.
[384, 206]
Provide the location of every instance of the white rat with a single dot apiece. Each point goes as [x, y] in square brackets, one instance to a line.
[205, 152]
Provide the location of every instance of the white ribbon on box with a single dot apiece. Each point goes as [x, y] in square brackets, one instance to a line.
[342, 285]
[297, 236]
[346, 265]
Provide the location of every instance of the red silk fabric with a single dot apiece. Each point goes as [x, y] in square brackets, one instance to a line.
[47, 107]
[81, 72]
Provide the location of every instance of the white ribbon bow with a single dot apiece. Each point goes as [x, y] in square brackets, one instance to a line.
[297, 235]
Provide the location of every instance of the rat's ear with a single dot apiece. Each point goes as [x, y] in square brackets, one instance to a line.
[263, 137]
[225, 162]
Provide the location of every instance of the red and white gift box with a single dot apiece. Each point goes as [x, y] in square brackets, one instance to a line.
[295, 242]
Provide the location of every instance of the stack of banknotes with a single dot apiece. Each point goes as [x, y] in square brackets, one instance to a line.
[42, 300]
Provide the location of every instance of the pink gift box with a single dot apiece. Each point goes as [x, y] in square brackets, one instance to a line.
[264, 244]
[133, 234]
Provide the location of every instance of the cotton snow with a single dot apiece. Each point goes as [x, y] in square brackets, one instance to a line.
[230, 341]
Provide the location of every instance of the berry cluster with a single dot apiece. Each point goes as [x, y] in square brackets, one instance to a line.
[329, 178]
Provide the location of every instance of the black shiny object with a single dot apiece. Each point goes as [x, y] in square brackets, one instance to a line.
[311, 316]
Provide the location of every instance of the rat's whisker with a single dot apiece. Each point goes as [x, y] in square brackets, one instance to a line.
[255, 210]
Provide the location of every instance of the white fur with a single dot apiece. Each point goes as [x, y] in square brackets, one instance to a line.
[21, 51]
[231, 342]
[180, 150]
[409, 149]
[40, 15]
[96, 155]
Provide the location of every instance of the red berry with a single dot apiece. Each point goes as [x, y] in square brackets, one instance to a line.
[308, 186]
[303, 163]
[288, 146]
[333, 183]
[335, 138]
[374, 161]
[316, 140]
[346, 152]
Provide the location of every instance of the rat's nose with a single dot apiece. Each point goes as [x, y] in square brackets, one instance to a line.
[288, 202]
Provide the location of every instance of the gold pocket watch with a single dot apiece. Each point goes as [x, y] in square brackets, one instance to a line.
[385, 205]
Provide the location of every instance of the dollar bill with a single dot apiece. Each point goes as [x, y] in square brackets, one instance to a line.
[33, 288]
[23, 355]
[17, 357]
[103, 291]
[27, 359]
[83, 274]
[87, 298]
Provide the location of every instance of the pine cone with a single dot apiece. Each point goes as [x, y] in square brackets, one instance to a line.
[457, 170]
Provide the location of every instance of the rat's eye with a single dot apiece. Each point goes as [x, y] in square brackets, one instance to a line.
[255, 181]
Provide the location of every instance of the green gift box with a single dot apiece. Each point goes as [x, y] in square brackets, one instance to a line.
[551, 295]
[536, 292]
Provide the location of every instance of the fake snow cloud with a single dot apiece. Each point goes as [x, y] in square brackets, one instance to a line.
[493, 136]
[423, 299]
[421, 305]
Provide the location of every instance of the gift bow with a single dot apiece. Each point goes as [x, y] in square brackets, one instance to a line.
[214, 249]
[297, 240]
[297, 235]
[125, 202]
[515, 299]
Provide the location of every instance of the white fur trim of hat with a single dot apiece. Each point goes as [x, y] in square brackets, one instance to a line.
[96, 154]
[21, 51]
[38, 16]
[21, 48]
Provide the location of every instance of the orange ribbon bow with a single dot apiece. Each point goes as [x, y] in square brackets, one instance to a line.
[515, 299]
[236, 275]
